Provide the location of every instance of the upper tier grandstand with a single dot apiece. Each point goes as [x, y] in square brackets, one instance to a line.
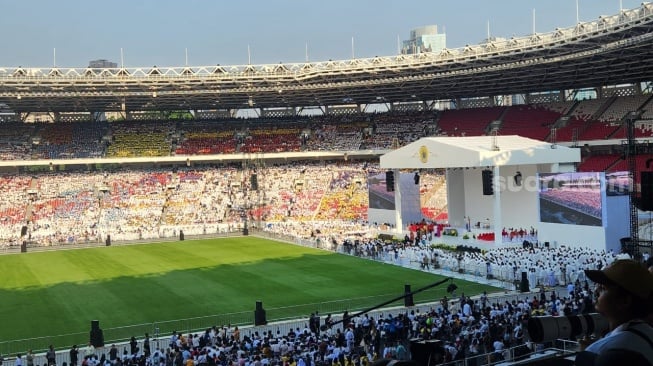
[611, 50]
[594, 122]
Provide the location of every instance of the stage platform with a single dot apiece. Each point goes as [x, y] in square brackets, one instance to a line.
[468, 238]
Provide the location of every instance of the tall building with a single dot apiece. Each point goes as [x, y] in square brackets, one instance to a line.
[102, 64]
[424, 39]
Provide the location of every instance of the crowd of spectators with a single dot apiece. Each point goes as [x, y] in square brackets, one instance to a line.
[544, 266]
[26, 141]
[587, 201]
[74, 207]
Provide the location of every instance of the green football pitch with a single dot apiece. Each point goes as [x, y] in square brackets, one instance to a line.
[48, 294]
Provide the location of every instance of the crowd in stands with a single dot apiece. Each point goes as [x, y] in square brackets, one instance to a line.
[74, 207]
[587, 201]
[70, 140]
[140, 139]
[15, 141]
[591, 119]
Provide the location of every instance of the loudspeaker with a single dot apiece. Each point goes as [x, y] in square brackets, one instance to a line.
[23, 230]
[97, 337]
[646, 198]
[108, 241]
[523, 285]
[416, 178]
[23, 247]
[181, 235]
[245, 231]
[253, 182]
[408, 296]
[390, 181]
[488, 188]
[259, 314]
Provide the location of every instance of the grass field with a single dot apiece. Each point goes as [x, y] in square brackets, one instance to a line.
[60, 292]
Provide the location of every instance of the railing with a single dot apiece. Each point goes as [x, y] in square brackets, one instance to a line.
[521, 353]
[199, 324]
[284, 318]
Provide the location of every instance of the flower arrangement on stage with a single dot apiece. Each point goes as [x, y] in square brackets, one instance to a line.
[450, 232]
[447, 247]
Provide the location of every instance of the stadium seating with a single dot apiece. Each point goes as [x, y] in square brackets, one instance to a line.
[71, 140]
[205, 137]
[528, 121]
[468, 122]
[598, 163]
[594, 119]
[16, 141]
[621, 107]
[131, 139]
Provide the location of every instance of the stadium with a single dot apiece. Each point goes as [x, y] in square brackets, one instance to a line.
[323, 204]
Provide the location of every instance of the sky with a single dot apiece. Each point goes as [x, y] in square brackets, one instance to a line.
[70, 33]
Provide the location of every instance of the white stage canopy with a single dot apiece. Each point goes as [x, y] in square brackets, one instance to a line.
[466, 158]
[477, 152]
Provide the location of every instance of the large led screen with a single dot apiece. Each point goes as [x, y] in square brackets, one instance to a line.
[617, 184]
[379, 196]
[571, 198]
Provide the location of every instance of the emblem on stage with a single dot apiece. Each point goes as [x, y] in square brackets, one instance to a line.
[423, 154]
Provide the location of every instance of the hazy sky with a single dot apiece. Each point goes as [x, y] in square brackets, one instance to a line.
[157, 32]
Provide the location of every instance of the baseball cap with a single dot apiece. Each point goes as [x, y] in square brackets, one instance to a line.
[628, 274]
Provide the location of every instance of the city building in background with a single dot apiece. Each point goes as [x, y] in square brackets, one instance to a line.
[424, 39]
[102, 64]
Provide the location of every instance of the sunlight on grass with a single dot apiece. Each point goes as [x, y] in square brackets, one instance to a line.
[158, 283]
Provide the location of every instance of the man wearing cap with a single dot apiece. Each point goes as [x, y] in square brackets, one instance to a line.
[625, 299]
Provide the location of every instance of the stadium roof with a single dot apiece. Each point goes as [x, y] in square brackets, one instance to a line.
[477, 152]
[611, 50]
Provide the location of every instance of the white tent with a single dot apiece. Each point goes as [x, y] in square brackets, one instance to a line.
[477, 151]
[464, 158]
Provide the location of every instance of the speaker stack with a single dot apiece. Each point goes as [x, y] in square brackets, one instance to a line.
[523, 285]
[487, 176]
[646, 199]
[408, 296]
[253, 182]
[259, 314]
[97, 337]
[390, 181]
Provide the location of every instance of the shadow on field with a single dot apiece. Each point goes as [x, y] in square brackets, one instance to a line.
[288, 287]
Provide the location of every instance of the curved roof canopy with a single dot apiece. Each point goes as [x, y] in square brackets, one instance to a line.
[608, 51]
